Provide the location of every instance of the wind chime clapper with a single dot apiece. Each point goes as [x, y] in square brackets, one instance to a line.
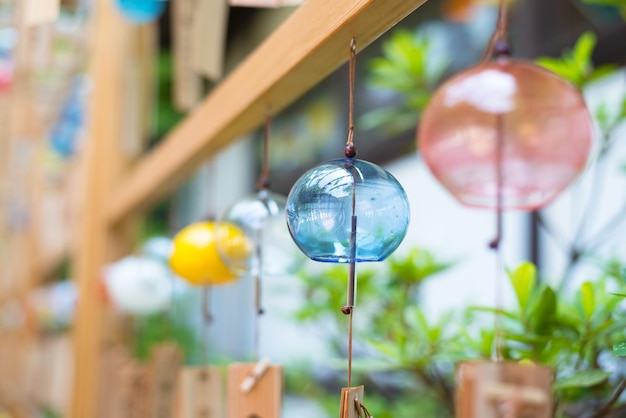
[505, 134]
[348, 211]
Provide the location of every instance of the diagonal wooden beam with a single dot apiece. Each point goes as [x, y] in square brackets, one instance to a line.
[301, 52]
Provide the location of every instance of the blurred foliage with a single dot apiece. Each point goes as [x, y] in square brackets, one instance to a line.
[402, 353]
[619, 4]
[163, 327]
[575, 65]
[167, 116]
[408, 69]
[407, 360]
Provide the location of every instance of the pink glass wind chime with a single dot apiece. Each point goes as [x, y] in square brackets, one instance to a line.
[348, 211]
[505, 134]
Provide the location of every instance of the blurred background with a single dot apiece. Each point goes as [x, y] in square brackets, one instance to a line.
[419, 312]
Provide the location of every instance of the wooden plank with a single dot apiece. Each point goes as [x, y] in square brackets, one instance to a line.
[307, 47]
[200, 392]
[97, 243]
[263, 400]
[350, 397]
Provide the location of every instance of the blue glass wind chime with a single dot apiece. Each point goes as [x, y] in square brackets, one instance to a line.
[348, 211]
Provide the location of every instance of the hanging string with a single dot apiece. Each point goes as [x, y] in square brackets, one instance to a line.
[498, 43]
[495, 243]
[350, 152]
[350, 149]
[207, 318]
[263, 183]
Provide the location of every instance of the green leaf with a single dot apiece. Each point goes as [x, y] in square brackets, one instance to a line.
[582, 379]
[602, 71]
[619, 350]
[587, 299]
[603, 117]
[523, 279]
[623, 295]
[563, 69]
[527, 338]
[582, 51]
[495, 311]
[542, 313]
[606, 2]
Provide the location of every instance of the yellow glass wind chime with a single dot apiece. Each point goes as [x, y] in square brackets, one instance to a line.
[250, 238]
[505, 134]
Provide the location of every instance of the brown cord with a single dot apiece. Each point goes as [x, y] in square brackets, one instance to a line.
[206, 321]
[350, 141]
[361, 410]
[495, 243]
[498, 43]
[258, 296]
[350, 349]
[263, 183]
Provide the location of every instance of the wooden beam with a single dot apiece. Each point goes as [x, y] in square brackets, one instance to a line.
[306, 48]
[97, 243]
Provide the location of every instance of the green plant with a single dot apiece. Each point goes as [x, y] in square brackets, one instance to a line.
[402, 352]
[162, 327]
[619, 4]
[406, 353]
[407, 68]
[385, 312]
[577, 67]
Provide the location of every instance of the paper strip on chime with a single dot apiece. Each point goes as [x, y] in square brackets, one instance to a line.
[165, 362]
[187, 84]
[114, 359]
[351, 399]
[208, 38]
[254, 390]
[200, 393]
[39, 12]
[503, 389]
[265, 3]
[60, 355]
[130, 394]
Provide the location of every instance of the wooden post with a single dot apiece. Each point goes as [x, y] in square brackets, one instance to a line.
[96, 243]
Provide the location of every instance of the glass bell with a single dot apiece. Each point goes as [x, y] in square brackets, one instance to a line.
[321, 205]
[141, 11]
[260, 218]
[194, 257]
[542, 120]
